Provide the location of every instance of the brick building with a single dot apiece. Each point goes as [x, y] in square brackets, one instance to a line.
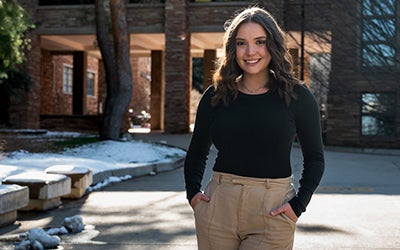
[352, 46]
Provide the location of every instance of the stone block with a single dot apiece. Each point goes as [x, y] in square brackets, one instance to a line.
[12, 198]
[81, 178]
[76, 193]
[8, 218]
[42, 205]
[42, 186]
[45, 190]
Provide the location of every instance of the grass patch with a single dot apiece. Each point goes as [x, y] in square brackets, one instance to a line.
[76, 142]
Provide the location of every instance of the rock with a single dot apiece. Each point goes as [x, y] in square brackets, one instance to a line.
[24, 245]
[63, 230]
[37, 245]
[57, 231]
[46, 240]
[74, 224]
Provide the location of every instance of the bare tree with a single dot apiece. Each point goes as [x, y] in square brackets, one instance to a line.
[363, 36]
[367, 30]
[114, 49]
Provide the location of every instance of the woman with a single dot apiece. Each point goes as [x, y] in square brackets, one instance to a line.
[252, 115]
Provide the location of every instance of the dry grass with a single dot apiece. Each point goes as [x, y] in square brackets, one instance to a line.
[37, 144]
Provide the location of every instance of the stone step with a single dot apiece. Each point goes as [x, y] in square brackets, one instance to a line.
[81, 178]
[12, 198]
[45, 190]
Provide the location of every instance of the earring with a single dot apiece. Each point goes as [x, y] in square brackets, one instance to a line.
[273, 74]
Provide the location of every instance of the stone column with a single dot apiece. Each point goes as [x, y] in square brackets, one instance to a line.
[157, 90]
[79, 83]
[209, 66]
[177, 67]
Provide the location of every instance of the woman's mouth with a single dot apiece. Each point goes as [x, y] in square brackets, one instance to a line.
[253, 61]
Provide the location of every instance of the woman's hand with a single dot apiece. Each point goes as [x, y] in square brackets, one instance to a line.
[197, 198]
[285, 209]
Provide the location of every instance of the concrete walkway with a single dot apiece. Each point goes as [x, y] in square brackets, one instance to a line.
[357, 206]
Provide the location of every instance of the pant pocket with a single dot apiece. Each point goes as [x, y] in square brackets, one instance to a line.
[288, 219]
[203, 215]
[291, 192]
[204, 205]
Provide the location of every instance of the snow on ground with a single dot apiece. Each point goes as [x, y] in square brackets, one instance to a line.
[99, 156]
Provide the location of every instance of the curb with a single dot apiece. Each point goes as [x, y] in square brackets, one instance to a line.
[140, 170]
[372, 151]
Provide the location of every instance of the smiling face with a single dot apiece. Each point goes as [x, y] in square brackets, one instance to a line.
[252, 54]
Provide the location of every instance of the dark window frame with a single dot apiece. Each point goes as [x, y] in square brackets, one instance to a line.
[379, 34]
[67, 83]
[91, 90]
[386, 113]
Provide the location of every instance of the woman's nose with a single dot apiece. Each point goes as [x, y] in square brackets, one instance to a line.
[251, 49]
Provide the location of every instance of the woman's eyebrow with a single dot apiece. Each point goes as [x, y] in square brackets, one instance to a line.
[255, 38]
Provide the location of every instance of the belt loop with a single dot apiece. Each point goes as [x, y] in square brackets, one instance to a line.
[217, 178]
[267, 184]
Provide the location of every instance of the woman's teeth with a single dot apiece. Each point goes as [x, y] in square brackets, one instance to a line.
[251, 61]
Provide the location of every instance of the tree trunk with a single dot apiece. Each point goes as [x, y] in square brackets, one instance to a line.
[117, 66]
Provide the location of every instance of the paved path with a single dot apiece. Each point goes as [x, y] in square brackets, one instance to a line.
[356, 207]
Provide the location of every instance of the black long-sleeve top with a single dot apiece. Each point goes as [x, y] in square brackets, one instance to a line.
[254, 136]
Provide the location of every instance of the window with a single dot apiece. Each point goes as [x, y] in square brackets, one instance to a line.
[320, 66]
[90, 89]
[379, 33]
[67, 79]
[378, 114]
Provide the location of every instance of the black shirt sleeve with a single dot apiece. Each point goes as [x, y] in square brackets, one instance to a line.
[308, 128]
[197, 154]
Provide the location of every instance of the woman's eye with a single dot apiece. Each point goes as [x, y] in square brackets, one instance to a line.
[261, 42]
[239, 43]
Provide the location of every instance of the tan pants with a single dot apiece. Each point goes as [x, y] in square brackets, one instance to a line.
[237, 216]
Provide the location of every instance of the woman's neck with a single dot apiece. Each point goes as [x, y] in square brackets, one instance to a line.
[253, 84]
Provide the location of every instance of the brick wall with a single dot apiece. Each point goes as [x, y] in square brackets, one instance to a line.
[55, 100]
[79, 123]
[176, 17]
[25, 106]
[80, 19]
[47, 75]
[348, 80]
[75, 19]
[177, 70]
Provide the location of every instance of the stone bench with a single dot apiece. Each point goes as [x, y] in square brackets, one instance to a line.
[81, 178]
[45, 190]
[12, 198]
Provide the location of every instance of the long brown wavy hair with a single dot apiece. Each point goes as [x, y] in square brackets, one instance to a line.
[281, 67]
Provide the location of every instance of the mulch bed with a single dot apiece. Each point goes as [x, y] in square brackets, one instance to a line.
[35, 141]
[10, 143]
